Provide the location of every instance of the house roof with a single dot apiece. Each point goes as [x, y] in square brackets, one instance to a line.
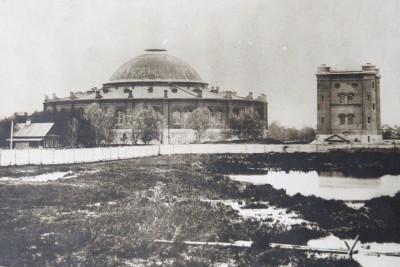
[336, 138]
[157, 92]
[32, 130]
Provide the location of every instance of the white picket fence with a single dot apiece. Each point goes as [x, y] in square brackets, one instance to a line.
[81, 155]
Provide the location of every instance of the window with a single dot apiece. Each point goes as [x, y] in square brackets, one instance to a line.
[236, 111]
[350, 99]
[318, 107]
[337, 85]
[150, 89]
[322, 98]
[157, 109]
[46, 144]
[342, 99]
[342, 119]
[186, 113]
[120, 117]
[210, 112]
[55, 143]
[322, 120]
[350, 119]
[176, 116]
[354, 85]
[373, 84]
[218, 115]
[368, 97]
[369, 119]
[373, 106]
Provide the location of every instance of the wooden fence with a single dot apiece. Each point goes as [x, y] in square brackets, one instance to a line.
[80, 155]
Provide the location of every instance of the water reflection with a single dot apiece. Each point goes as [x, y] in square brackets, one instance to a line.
[328, 185]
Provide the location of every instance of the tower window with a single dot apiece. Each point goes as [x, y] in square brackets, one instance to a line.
[120, 117]
[350, 99]
[342, 119]
[368, 97]
[342, 99]
[369, 119]
[322, 120]
[373, 84]
[373, 106]
[350, 119]
[318, 107]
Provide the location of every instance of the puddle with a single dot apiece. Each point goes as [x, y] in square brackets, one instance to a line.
[271, 213]
[41, 178]
[367, 252]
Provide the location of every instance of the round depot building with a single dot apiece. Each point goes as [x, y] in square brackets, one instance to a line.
[170, 86]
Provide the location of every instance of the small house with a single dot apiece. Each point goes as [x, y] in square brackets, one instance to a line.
[34, 135]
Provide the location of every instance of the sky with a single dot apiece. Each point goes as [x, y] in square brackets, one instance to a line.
[266, 46]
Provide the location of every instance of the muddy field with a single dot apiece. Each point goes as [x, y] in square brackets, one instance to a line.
[109, 214]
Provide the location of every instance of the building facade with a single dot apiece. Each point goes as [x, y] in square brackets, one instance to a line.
[348, 105]
[170, 86]
[34, 135]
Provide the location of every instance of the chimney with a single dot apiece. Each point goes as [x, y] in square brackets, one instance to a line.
[130, 94]
[55, 97]
[200, 94]
[46, 98]
[368, 67]
[98, 95]
[263, 98]
[165, 93]
[28, 122]
[250, 96]
[72, 95]
[228, 94]
[323, 68]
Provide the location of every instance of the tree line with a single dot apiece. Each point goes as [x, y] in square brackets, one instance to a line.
[95, 126]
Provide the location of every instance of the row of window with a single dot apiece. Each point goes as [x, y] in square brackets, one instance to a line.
[51, 143]
[354, 85]
[347, 99]
[178, 114]
[342, 119]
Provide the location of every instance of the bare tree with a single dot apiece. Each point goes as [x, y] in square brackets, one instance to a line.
[146, 124]
[200, 120]
[103, 121]
[72, 131]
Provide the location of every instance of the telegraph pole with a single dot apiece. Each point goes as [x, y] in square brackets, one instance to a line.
[12, 133]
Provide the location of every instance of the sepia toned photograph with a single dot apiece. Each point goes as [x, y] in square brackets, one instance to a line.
[199, 133]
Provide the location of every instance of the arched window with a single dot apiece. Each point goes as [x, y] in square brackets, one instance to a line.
[342, 118]
[350, 98]
[350, 117]
[218, 115]
[210, 112]
[176, 116]
[236, 111]
[342, 98]
[186, 113]
[120, 117]
[157, 109]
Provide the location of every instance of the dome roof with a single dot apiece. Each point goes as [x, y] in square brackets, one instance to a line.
[155, 67]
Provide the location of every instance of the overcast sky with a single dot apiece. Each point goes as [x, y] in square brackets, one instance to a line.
[271, 47]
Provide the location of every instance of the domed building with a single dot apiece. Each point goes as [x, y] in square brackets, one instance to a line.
[170, 86]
